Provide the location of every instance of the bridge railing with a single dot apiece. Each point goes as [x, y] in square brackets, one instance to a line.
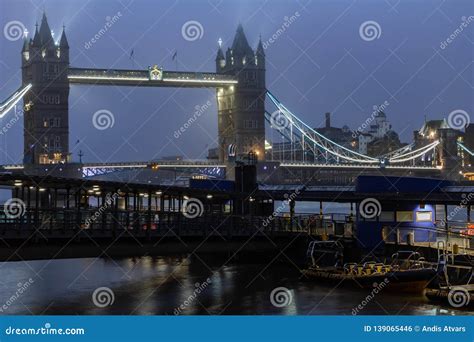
[447, 240]
[110, 222]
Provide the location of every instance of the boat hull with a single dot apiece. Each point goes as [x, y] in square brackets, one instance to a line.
[442, 295]
[410, 281]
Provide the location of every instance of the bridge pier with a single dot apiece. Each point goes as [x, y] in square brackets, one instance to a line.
[448, 152]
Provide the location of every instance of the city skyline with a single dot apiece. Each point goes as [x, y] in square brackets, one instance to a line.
[326, 47]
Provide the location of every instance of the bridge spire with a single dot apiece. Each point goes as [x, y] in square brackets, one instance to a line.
[63, 42]
[240, 45]
[220, 59]
[36, 38]
[45, 32]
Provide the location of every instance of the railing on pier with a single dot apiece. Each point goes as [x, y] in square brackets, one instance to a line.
[64, 223]
[454, 240]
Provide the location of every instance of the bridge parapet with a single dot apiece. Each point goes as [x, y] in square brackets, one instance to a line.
[145, 78]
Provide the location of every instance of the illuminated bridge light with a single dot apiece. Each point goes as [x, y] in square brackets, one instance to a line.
[108, 78]
[187, 80]
[13, 100]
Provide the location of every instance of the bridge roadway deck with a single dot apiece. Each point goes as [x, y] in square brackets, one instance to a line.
[141, 78]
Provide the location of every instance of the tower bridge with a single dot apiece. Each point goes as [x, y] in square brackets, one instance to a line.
[154, 77]
[241, 95]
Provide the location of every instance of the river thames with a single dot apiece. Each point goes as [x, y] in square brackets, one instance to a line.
[167, 286]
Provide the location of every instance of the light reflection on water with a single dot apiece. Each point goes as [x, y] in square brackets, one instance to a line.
[147, 286]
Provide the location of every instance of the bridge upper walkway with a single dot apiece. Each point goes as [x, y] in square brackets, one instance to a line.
[142, 78]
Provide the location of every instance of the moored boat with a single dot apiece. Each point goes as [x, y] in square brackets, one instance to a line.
[406, 271]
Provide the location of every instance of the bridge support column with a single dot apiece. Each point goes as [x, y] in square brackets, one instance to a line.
[241, 108]
[448, 153]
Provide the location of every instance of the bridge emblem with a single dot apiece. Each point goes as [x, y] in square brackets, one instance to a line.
[155, 73]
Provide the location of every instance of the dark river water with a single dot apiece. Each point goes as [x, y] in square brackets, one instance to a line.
[180, 285]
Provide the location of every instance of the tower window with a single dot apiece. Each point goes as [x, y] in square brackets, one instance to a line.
[250, 124]
[51, 99]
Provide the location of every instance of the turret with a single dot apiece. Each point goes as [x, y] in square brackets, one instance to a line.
[45, 33]
[36, 38]
[241, 107]
[25, 51]
[63, 46]
[241, 50]
[220, 60]
[45, 65]
[260, 55]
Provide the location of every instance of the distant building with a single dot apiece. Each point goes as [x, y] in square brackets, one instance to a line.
[469, 141]
[429, 130]
[427, 134]
[379, 138]
[340, 135]
[388, 143]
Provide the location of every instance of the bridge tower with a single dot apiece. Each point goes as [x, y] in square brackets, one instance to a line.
[241, 108]
[45, 65]
[448, 152]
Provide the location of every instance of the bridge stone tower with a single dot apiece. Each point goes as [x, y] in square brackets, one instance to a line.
[45, 64]
[241, 108]
[448, 151]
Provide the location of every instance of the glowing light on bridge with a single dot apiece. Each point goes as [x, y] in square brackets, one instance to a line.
[465, 149]
[293, 128]
[184, 80]
[13, 100]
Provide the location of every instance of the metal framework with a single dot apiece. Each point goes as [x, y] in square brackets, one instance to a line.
[143, 78]
[303, 137]
[13, 99]
[465, 148]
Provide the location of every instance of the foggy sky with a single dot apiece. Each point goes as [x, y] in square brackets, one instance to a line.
[319, 64]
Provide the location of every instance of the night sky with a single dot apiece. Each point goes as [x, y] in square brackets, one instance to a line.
[319, 64]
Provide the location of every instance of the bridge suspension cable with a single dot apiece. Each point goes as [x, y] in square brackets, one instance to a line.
[414, 154]
[465, 148]
[398, 152]
[289, 125]
[13, 99]
[285, 121]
